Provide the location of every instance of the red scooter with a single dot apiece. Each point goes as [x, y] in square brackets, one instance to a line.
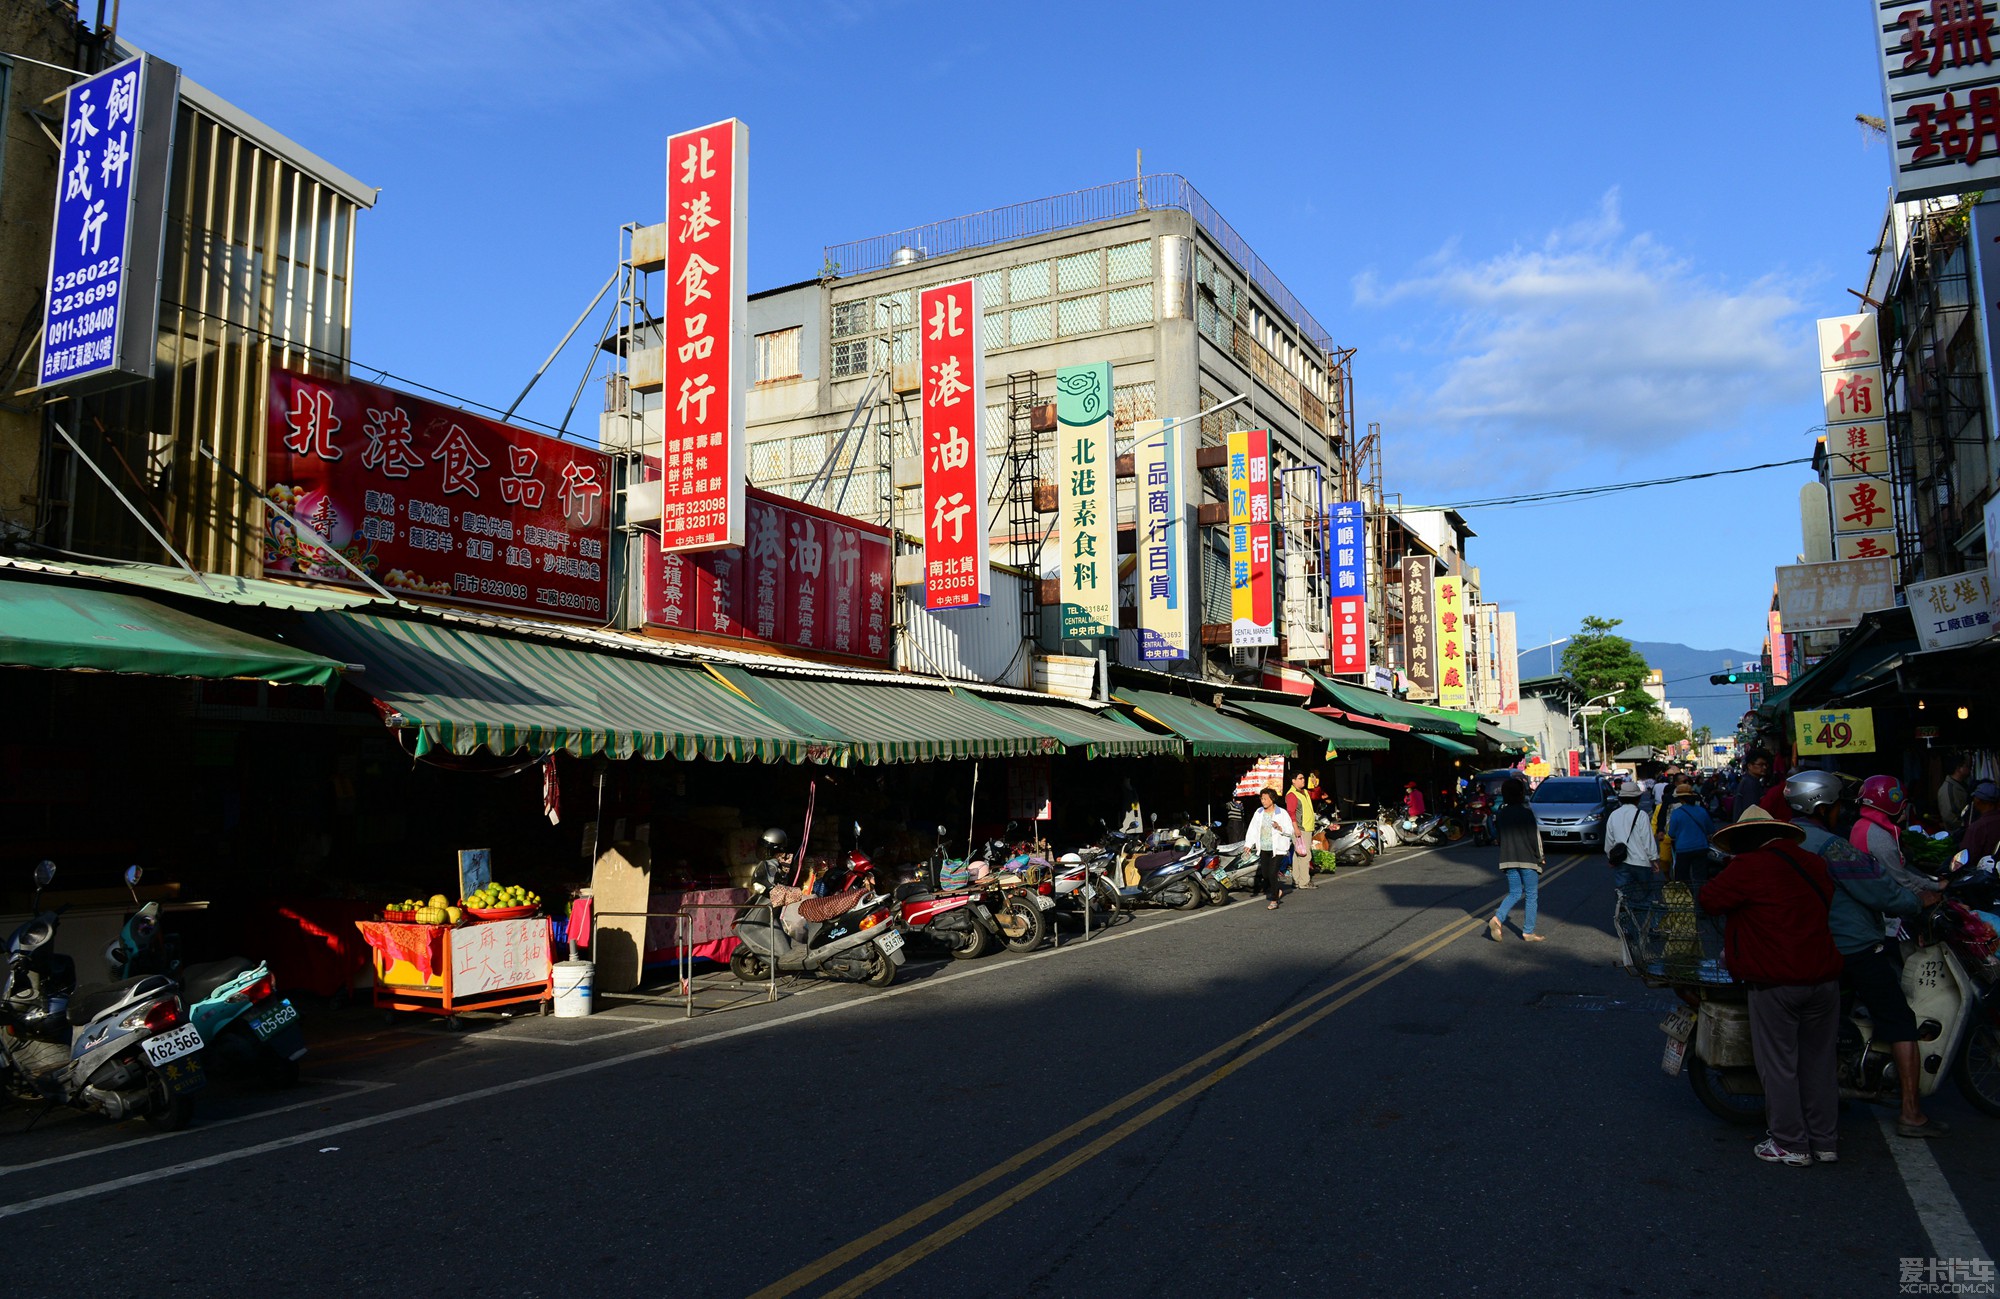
[956, 920]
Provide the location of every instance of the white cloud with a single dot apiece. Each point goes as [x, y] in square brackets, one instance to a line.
[1595, 339]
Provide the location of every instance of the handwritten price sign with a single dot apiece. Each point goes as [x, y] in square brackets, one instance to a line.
[499, 954]
[1850, 730]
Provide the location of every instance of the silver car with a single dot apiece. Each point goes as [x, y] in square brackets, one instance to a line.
[1571, 809]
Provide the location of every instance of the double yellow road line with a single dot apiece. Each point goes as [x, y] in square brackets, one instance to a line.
[1252, 1044]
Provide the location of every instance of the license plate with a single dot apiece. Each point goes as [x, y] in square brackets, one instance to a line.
[171, 1046]
[1679, 1025]
[1045, 902]
[1672, 1058]
[267, 1024]
[889, 941]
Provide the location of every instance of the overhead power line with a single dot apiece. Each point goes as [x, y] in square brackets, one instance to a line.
[1609, 489]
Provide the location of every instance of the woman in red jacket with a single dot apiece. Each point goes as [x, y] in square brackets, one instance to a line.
[1778, 941]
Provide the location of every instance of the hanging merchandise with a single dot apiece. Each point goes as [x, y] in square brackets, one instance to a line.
[1265, 773]
[551, 791]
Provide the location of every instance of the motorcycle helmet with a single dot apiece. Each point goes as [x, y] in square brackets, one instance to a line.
[1070, 859]
[1806, 792]
[774, 840]
[1883, 793]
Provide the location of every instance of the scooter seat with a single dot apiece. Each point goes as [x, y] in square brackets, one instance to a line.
[199, 982]
[86, 1004]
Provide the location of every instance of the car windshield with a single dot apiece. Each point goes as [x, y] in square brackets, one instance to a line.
[1569, 791]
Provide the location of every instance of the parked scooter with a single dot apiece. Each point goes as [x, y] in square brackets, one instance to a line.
[1083, 881]
[1352, 844]
[1431, 828]
[848, 935]
[120, 1049]
[234, 1001]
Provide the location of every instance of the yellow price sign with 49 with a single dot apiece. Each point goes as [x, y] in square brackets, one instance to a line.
[1850, 730]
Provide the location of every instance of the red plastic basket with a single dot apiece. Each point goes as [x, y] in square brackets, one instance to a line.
[500, 913]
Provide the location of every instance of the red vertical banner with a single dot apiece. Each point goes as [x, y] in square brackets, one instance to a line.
[704, 337]
[1350, 634]
[805, 568]
[764, 585]
[953, 368]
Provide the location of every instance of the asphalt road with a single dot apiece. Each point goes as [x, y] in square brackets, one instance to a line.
[1357, 1094]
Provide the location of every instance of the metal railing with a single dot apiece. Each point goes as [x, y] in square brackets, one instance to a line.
[1164, 190]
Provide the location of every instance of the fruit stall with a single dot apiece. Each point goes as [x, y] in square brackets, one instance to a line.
[494, 949]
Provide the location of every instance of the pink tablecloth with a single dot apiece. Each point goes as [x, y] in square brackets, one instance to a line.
[712, 928]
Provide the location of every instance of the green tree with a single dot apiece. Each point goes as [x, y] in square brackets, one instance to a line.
[1603, 662]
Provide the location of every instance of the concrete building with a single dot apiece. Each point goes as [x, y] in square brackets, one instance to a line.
[1549, 713]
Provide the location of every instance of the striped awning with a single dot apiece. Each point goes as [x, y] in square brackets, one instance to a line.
[879, 723]
[1095, 734]
[1505, 740]
[1208, 733]
[462, 691]
[1438, 721]
[1452, 747]
[1303, 721]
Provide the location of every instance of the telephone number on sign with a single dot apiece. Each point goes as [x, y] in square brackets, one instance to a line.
[69, 302]
[467, 584]
[959, 582]
[84, 275]
[569, 600]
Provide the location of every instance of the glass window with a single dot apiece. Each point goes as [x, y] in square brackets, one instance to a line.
[850, 318]
[903, 347]
[1079, 271]
[1080, 315]
[1132, 261]
[992, 289]
[850, 358]
[807, 453]
[893, 310]
[767, 462]
[1026, 283]
[1029, 324]
[1133, 306]
[994, 336]
[778, 354]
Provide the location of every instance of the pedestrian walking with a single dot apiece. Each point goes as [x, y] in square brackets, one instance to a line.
[1521, 861]
[1634, 856]
[1299, 806]
[1778, 939]
[1955, 794]
[1688, 829]
[1271, 835]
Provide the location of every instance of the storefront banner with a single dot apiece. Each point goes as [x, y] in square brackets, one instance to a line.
[1453, 636]
[1848, 342]
[1348, 542]
[1826, 597]
[1252, 590]
[100, 306]
[1864, 545]
[434, 503]
[1862, 505]
[1156, 461]
[1858, 449]
[808, 579]
[953, 409]
[1086, 470]
[1851, 395]
[1419, 646]
[705, 334]
[1952, 611]
[1510, 666]
[1941, 95]
[1835, 731]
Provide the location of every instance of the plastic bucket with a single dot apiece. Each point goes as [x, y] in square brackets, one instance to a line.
[574, 984]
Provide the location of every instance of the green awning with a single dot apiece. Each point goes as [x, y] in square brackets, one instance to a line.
[1102, 734]
[1452, 747]
[1303, 721]
[1209, 734]
[462, 691]
[88, 630]
[882, 722]
[1505, 740]
[1373, 703]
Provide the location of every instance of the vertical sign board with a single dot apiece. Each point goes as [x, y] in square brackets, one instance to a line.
[953, 410]
[1419, 649]
[100, 312]
[1941, 93]
[1156, 459]
[705, 337]
[1252, 590]
[1453, 633]
[1086, 470]
[1350, 606]
[1510, 666]
[1850, 362]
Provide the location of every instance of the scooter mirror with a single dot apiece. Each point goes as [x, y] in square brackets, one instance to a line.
[132, 877]
[44, 872]
[942, 831]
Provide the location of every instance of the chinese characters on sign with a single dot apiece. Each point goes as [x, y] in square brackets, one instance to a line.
[953, 407]
[1419, 653]
[1086, 464]
[1849, 730]
[1942, 91]
[1510, 666]
[1156, 460]
[1252, 585]
[432, 501]
[104, 250]
[1451, 640]
[704, 331]
[1348, 540]
[1826, 597]
[808, 578]
[1857, 437]
[1952, 610]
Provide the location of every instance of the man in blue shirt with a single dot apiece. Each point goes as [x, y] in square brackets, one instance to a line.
[1689, 827]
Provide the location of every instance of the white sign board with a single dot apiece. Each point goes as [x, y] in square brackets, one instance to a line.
[1824, 597]
[1952, 610]
[498, 954]
[1857, 450]
[1848, 342]
[1941, 92]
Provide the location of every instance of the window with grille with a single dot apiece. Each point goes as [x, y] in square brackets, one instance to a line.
[1028, 282]
[1029, 325]
[1132, 306]
[1132, 261]
[1079, 271]
[1080, 315]
[778, 354]
[850, 358]
[893, 309]
[851, 318]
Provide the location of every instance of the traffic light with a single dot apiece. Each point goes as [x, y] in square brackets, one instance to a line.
[1745, 677]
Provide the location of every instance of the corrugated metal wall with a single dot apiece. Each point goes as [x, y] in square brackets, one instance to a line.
[969, 644]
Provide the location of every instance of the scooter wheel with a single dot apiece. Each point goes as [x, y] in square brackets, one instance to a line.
[167, 1113]
[972, 945]
[881, 970]
[748, 966]
[1196, 895]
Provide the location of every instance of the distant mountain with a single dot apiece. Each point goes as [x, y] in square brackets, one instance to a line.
[1686, 670]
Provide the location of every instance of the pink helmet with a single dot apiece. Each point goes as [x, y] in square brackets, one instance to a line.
[1883, 793]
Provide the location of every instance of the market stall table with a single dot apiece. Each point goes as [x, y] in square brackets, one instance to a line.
[711, 924]
[475, 965]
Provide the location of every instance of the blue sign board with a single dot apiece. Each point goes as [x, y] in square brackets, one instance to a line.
[1349, 549]
[90, 257]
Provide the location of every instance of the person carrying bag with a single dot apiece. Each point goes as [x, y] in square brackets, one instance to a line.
[1633, 853]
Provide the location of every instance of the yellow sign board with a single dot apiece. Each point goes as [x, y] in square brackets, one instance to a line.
[1537, 769]
[1847, 730]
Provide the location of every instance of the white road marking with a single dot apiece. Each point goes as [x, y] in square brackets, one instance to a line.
[317, 1135]
[1931, 1195]
[353, 1088]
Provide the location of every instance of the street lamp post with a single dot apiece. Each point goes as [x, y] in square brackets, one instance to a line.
[1550, 647]
[1606, 732]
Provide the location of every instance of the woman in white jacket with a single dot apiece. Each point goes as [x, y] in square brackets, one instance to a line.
[1271, 833]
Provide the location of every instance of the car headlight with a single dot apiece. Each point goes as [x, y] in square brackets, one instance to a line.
[1593, 819]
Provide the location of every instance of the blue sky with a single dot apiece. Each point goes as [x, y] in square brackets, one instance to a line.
[1573, 243]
